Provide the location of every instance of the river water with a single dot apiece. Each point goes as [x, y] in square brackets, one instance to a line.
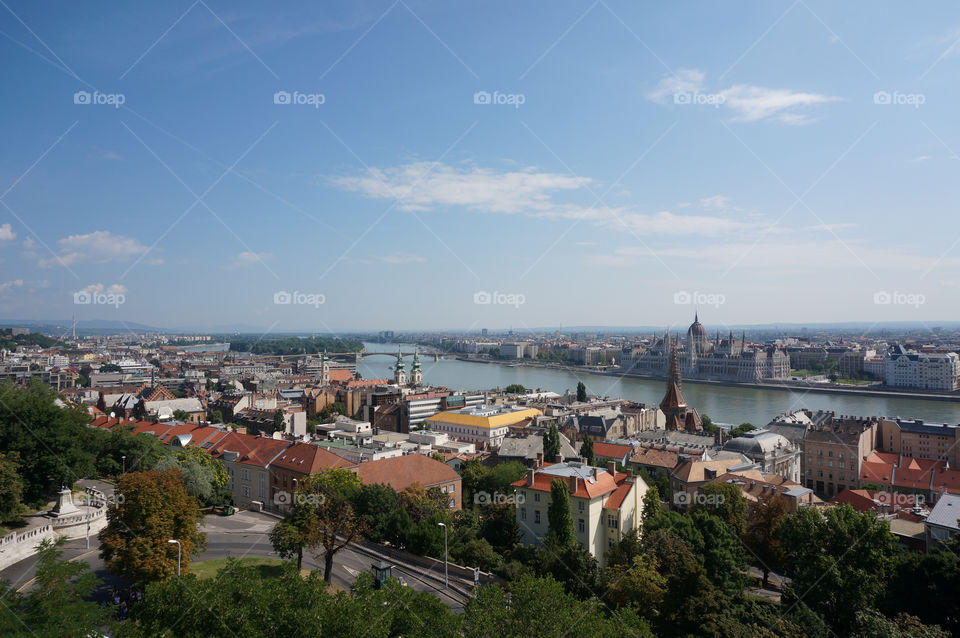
[724, 404]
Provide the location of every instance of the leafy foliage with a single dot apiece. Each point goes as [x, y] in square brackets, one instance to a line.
[152, 508]
[56, 606]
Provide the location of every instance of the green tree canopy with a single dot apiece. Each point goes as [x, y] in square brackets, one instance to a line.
[151, 508]
[581, 392]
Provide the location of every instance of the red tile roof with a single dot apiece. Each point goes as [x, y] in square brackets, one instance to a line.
[308, 459]
[251, 450]
[403, 471]
[615, 500]
[611, 450]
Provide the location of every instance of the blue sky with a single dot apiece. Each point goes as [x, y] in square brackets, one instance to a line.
[605, 163]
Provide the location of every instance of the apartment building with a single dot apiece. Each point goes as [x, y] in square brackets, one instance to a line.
[605, 504]
[833, 454]
[485, 426]
[925, 370]
[938, 441]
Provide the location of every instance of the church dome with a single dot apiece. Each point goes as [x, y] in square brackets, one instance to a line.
[696, 328]
[757, 443]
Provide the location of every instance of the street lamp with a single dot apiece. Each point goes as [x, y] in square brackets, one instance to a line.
[178, 553]
[124, 460]
[446, 573]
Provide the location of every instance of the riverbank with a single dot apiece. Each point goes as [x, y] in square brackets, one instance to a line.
[790, 386]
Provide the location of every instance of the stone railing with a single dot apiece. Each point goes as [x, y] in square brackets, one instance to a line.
[16, 546]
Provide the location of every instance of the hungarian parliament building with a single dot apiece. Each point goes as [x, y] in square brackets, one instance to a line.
[700, 357]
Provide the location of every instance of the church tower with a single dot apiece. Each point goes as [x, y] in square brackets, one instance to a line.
[324, 369]
[416, 377]
[399, 374]
[679, 415]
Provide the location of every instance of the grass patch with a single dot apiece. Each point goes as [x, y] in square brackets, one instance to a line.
[268, 567]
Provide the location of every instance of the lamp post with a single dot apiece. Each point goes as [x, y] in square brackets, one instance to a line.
[446, 573]
[172, 540]
[123, 459]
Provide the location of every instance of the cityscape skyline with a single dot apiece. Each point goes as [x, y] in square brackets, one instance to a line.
[484, 173]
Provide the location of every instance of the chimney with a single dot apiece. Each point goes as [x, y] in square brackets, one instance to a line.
[572, 484]
[530, 476]
[612, 467]
[539, 461]
[558, 459]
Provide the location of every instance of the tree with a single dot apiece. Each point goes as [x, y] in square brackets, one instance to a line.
[289, 536]
[102, 403]
[708, 425]
[760, 536]
[651, 504]
[726, 501]
[110, 367]
[181, 415]
[58, 604]
[638, 583]
[872, 624]
[376, 505]
[334, 522]
[140, 410]
[152, 507]
[559, 518]
[515, 388]
[551, 443]
[279, 421]
[53, 442]
[586, 449]
[581, 392]
[214, 416]
[926, 585]
[202, 475]
[741, 429]
[839, 561]
[11, 488]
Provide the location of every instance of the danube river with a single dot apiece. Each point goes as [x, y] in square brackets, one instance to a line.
[724, 404]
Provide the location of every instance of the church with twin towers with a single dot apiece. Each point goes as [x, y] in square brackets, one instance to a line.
[700, 357]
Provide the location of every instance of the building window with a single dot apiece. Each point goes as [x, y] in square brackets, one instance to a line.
[580, 504]
[536, 497]
[451, 488]
[523, 513]
[536, 517]
[580, 525]
[611, 521]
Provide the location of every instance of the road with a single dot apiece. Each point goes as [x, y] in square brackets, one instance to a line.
[245, 534]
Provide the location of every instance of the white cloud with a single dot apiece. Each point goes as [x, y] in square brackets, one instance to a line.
[402, 258]
[112, 289]
[684, 81]
[715, 202]
[6, 232]
[754, 103]
[248, 258]
[99, 247]
[7, 285]
[482, 189]
[749, 103]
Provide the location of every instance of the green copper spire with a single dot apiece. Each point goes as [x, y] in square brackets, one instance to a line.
[416, 359]
[399, 365]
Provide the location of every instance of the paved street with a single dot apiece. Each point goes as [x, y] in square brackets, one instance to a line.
[245, 534]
